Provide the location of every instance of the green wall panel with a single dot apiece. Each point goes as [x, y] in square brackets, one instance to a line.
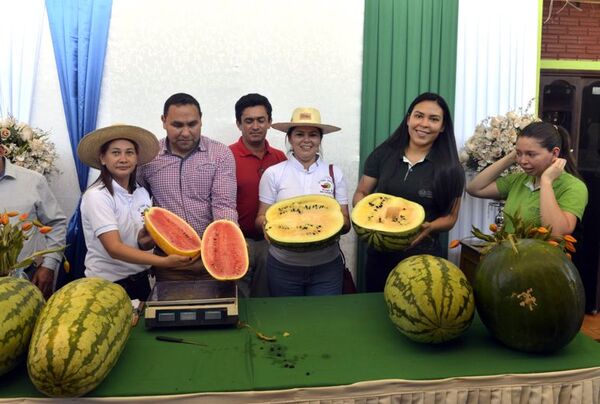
[409, 48]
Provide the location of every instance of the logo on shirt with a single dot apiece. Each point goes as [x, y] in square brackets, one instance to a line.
[425, 193]
[326, 186]
[139, 218]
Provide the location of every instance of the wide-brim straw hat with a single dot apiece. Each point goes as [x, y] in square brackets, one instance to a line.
[305, 116]
[89, 146]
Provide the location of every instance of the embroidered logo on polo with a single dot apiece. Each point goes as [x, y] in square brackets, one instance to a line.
[425, 193]
[326, 186]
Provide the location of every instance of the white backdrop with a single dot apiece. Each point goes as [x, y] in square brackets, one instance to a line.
[496, 72]
[296, 54]
[20, 35]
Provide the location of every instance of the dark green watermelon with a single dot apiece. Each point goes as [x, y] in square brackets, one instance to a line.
[529, 295]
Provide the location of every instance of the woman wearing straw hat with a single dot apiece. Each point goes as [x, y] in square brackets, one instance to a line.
[314, 272]
[112, 209]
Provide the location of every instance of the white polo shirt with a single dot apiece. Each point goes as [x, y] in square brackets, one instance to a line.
[289, 179]
[102, 212]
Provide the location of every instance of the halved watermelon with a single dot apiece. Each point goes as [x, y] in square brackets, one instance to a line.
[224, 250]
[171, 233]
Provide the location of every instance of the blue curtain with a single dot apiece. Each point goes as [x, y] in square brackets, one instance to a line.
[79, 31]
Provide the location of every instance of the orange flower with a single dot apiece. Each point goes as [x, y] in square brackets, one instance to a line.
[570, 238]
[23, 217]
[4, 219]
[570, 247]
[12, 213]
[493, 227]
[26, 226]
[542, 230]
[454, 243]
[553, 242]
[569, 256]
[45, 229]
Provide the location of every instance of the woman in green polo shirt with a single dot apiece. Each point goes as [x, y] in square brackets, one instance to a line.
[549, 191]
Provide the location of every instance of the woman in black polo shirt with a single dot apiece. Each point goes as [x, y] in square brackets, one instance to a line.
[418, 162]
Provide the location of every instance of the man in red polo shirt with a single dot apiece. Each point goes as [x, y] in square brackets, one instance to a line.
[253, 156]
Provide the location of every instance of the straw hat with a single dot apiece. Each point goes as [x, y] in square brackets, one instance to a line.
[89, 146]
[305, 116]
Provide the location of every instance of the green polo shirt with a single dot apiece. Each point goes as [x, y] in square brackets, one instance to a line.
[520, 195]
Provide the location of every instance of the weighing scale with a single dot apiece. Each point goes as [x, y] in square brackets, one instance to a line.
[192, 303]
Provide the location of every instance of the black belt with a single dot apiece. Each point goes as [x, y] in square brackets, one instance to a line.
[135, 277]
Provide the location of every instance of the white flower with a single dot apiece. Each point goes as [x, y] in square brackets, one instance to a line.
[494, 137]
[27, 147]
[26, 133]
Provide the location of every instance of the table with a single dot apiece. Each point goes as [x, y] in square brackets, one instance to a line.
[469, 256]
[338, 347]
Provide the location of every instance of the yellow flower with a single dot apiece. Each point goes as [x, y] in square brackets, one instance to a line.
[12, 239]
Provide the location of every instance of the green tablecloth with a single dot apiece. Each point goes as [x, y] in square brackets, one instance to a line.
[332, 341]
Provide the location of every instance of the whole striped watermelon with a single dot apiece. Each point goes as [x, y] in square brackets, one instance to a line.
[20, 304]
[78, 337]
[429, 299]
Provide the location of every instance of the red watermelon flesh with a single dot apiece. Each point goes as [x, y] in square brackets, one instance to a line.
[224, 250]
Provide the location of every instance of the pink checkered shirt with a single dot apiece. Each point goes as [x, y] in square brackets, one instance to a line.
[200, 188]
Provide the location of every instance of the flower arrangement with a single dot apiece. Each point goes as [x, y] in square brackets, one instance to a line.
[27, 147]
[12, 238]
[495, 137]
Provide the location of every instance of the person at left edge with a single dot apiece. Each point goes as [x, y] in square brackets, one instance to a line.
[253, 155]
[112, 209]
[192, 176]
[27, 191]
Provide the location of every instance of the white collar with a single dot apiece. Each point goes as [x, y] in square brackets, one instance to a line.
[298, 165]
[411, 165]
[531, 184]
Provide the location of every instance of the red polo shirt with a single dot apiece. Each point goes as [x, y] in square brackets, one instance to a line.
[248, 170]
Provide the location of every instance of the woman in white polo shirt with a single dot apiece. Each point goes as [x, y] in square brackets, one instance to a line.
[112, 209]
[308, 273]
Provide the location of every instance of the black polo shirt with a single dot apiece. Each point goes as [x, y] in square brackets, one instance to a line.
[396, 177]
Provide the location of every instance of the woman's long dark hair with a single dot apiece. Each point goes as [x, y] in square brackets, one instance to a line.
[549, 137]
[448, 173]
[106, 177]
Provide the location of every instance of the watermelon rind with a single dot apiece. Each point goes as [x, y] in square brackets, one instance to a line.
[171, 233]
[429, 299]
[383, 231]
[304, 223]
[78, 337]
[20, 305]
[529, 295]
[224, 250]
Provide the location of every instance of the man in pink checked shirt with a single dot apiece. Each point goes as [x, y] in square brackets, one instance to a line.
[192, 176]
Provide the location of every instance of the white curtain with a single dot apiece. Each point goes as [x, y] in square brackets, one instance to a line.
[496, 72]
[20, 35]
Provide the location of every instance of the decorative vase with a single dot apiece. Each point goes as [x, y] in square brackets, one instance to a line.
[498, 206]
